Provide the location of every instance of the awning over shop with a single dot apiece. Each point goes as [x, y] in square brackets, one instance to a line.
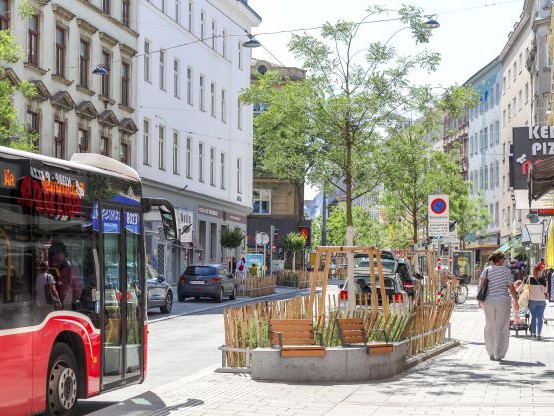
[540, 181]
[506, 247]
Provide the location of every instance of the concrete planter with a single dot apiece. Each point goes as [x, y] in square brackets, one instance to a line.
[339, 365]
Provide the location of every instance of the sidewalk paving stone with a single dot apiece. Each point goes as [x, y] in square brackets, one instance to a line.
[462, 381]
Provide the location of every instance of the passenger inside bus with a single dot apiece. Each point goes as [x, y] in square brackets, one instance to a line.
[68, 283]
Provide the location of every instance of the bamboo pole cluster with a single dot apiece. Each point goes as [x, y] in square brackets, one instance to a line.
[422, 320]
[254, 287]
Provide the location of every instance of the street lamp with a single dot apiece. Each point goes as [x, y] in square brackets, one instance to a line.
[252, 42]
[432, 22]
[100, 70]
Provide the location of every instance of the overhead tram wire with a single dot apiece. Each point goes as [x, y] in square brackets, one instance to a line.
[247, 34]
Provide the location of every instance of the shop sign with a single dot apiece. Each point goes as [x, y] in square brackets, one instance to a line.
[531, 145]
[209, 212]
[238, 218]
[185, 221]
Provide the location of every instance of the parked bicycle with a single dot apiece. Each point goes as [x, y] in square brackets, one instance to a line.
[459, 291]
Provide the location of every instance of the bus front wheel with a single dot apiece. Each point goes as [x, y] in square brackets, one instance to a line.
[62, 387]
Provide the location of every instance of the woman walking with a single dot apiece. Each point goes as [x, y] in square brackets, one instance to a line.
[497, 305]
[537, 301]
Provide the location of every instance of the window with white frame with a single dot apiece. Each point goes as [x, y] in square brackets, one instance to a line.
[224, 43]
[239, 114]
[261, 201]
[526, 93]
[189, 86]
[176, 78]
[190, 23]
[240, 54]
[239, 175]
[223, 171]
[515, 71]
[161, 147]
[548, 55]
[201, 162]
[212, 166]
[224, 105]
[162, 70]
[175, 152]
[189, 158]
[497, 94]
[212, 99]
[147, 70]
[214, 34]
[491, 135]
[203, 25]
[520, 62]
[146, 142]
[202, 93]
[178, 11]
[497, 131]
[520, 97]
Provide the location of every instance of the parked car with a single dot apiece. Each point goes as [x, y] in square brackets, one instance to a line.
[207, 280]
[160, 294]
[409, 279]
[394, 288]
[159, 291]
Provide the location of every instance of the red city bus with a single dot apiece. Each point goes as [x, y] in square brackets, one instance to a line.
[75, 227]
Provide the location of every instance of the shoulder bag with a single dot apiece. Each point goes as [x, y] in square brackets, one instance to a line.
[523, 300]
[484, 289]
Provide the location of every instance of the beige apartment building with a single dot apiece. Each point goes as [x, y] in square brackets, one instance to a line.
[75, 110]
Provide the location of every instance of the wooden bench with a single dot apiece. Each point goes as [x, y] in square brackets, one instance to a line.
[295, 338]
[352, 332]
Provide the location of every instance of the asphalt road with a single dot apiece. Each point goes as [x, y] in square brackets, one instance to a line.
[181, 346]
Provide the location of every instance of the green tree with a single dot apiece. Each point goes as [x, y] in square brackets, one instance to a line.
[329, 127]
[471, 215]
[412, 168]
[231, 238]
[294, 242]
[369, 231]
[13, 133]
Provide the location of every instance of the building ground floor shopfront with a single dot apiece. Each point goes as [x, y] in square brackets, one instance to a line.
[483, 248]
[201, 220]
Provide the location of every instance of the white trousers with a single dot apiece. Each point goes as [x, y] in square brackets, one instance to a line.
[497, 326]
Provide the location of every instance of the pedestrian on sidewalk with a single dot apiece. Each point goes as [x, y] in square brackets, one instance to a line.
[497, 305]
[537, 301]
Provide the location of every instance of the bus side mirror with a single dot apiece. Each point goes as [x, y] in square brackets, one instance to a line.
[167, 212]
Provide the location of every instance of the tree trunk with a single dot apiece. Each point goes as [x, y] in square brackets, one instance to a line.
[350, 232]
[294, 261]
[414, 225]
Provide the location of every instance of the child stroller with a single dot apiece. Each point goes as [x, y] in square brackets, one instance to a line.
[520, 323]
[519, 320]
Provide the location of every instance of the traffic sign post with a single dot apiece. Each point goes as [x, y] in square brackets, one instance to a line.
[262, 239]
[438, 215]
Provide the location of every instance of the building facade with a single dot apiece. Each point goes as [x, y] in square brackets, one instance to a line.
[516, 111]
[485, 153]
[275, 202]
[195, 135]
[75, 110]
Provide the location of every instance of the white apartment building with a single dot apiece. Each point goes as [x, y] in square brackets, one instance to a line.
[516, 111]
[75, 110]
[485, 153]
[196, 137]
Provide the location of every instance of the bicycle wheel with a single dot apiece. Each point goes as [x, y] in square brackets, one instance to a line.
[461, 294]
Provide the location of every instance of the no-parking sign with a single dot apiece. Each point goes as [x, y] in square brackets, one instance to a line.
[438, 215]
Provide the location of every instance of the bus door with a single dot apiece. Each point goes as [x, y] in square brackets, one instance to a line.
[123, 296]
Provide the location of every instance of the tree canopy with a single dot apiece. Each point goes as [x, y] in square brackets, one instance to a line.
[13, 133]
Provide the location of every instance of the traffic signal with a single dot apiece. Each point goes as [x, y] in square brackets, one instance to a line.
[274, 232]
[305, 232]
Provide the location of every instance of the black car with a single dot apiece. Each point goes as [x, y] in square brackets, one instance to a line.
[159, 291]
[207, 280]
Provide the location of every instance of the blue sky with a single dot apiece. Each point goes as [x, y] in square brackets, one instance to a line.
[467, 39]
